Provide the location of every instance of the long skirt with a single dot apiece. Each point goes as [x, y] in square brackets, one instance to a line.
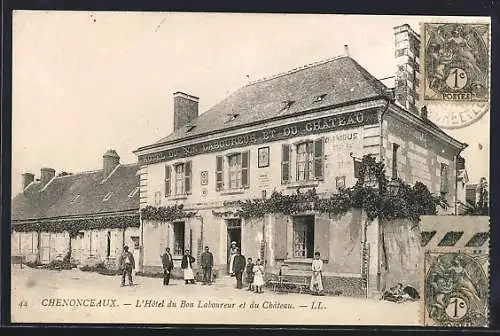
[188, 274]
[258, 279]
[316, 282]
[231, 264]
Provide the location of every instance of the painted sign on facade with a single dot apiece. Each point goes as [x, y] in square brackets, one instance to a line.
[320, 125]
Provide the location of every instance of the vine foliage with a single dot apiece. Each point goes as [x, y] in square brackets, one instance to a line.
[166, 214]
[410, 202]
[75, 225]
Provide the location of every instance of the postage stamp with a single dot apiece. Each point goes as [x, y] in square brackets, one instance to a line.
[456, 58]
[456, 289]
[455, 272]
[305, 197]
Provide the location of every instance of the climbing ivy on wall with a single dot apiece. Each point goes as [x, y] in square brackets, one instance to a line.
[73, 226]
[411, 202]
[166, 214]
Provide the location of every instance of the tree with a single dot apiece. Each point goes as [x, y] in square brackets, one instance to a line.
[482, 205]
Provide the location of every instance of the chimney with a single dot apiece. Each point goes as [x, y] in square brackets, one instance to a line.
[407, 45]
[185, 109]
[27, 179]
[110, 160]
[346, 50]
[46, 174]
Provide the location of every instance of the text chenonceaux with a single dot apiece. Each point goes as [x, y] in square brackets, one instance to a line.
[320, 125]
[79, 302]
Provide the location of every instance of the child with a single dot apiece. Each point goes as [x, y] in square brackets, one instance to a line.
[249, 271]
[258, 279]
[316, 278]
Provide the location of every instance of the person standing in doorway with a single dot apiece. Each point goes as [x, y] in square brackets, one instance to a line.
[207, 262]
[238, 268]
[232, 254]
[127, 264]
[187, 266]
[168, 265]
[316, 278]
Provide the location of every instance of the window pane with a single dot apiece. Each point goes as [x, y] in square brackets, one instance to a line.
[235, 171]
[178, 238]
[179, 179]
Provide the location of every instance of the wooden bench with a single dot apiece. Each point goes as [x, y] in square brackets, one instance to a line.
[17, 260]
[284, 285]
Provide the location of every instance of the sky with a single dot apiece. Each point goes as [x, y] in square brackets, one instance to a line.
[86, 82]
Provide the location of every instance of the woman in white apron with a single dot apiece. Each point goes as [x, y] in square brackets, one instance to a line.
[187, 266]
[232, 253]
[316, 278]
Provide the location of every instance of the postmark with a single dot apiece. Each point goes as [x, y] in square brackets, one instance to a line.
[456, 62]
[456, 289]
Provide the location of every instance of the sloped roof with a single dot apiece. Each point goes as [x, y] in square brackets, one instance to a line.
[59, 197]
[342, 79]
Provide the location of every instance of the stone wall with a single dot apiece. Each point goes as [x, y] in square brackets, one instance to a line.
[401, 253]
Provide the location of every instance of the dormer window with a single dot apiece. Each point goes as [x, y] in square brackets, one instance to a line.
[133, 192]
[107, 197]
[190, 127]
[319, 98]
[75, 198]
[285, 105]
[232, 117]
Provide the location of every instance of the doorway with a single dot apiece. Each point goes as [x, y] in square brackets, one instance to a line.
[303, 237]
[45, 247]
[233, 235]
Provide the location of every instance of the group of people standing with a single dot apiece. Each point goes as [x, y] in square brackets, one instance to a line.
[237, 266]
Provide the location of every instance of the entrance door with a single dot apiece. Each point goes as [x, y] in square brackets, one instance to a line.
[135, 251]
[77, 247]
[233, 235]
[303, 237]
[45, 247]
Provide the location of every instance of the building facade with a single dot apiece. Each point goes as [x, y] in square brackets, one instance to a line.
[294, 131]
[89, 216]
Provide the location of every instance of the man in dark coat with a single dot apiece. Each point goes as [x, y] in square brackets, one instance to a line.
[168, 265]
[207, 262]
[126, 263]
[238, 268]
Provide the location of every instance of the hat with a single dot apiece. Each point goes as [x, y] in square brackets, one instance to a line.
[233, 243]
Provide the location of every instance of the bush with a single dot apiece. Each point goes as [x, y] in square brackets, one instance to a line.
[150, 274]
[64, 264]
[100, 268]
[33, 264]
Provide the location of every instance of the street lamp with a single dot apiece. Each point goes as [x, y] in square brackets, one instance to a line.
[393, 187]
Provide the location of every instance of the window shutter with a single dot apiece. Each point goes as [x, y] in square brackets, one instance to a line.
[285, 164]
[219, 176]
[245, 164]
[280, 237]
[322, 236]
[187, 177]
[168, 173]
[318, 159]
[357, 168]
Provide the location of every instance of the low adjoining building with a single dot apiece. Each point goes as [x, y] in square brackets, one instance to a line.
[90, 214]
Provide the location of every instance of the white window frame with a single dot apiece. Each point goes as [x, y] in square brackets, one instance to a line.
[179, 179]
[235, 171]
[308, 162]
